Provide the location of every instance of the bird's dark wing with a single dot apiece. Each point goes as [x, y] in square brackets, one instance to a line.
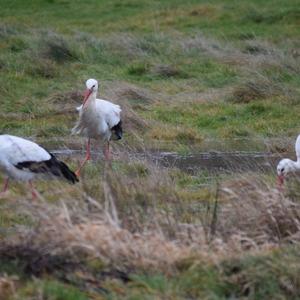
[52, 166]
[117, 130]
[34, 166]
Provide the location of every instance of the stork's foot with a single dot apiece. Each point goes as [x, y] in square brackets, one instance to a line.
[280, 189]
[106, 152]
[87, 158]
[5, 187]
[34, 192]
[107, 156]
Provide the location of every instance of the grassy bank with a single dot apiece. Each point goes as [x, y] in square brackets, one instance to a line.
[138, 232]
[196, 66]
[184, 72]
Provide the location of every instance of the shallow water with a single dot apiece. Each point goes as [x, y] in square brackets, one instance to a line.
[211, 162]
[214, 162]
[211, 155]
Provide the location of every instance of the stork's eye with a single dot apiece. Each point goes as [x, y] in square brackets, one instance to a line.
[93, 86]
[282, 170]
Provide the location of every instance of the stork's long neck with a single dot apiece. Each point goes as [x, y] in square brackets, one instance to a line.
[90, 102]
[295, 165]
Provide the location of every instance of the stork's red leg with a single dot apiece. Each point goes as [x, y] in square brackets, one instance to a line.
[33, 190]
[107, 151]
[87, 157]
[5, 186]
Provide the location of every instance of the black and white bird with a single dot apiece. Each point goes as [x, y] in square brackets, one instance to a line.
[287, 166]
[98, 119]
[23, 160]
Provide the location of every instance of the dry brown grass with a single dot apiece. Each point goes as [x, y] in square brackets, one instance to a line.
[71, 237]
[254, 90]
[106, 240]
[157, 231]
[131, 92]
[204, 10]
[66, 102]
[7, 286]
[255, 53]
[259, 213]
[56, 48]
[281, 145]
[167, 71]
[136, 47]
[42, 68]
[138, 220]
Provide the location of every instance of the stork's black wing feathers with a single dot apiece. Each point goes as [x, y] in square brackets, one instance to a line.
[52, 166]
[118, 130]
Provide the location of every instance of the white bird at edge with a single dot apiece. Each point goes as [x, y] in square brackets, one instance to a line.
[24, 160]
[286, 165]
[98, 119]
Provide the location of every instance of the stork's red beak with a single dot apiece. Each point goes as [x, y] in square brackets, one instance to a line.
[86, 95]
[280, 181]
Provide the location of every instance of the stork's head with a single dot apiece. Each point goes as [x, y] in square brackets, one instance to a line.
[284, 167]
[92, 84]
[91, 87]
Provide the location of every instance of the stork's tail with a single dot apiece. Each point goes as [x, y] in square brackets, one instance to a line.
[60, 169]
[118, 130]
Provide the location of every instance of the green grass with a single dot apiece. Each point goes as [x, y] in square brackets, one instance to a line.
[265, 118]
[51, 290]
[250, 277]
[192, 71]
[98, 17]
[59, 44]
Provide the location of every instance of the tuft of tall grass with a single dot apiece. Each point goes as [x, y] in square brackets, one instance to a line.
[66, 102]
[44, 68]
[138, 69]
[7, 286]
[255, 89]
[136, 209]
[167, 71]
[57, 48]
[148, 45]
[271, 17]
[7, 30]
[134, 95]
[258, 214]
[134, 217]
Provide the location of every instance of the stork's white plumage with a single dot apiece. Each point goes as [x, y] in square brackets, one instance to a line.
[98, 119]
[24, 160]
[286, 165]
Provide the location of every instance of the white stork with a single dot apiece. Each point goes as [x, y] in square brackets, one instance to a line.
[98, 119]
[286, 165]
[24, 160]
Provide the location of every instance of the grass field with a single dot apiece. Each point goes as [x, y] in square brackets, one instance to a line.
[184, 72]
